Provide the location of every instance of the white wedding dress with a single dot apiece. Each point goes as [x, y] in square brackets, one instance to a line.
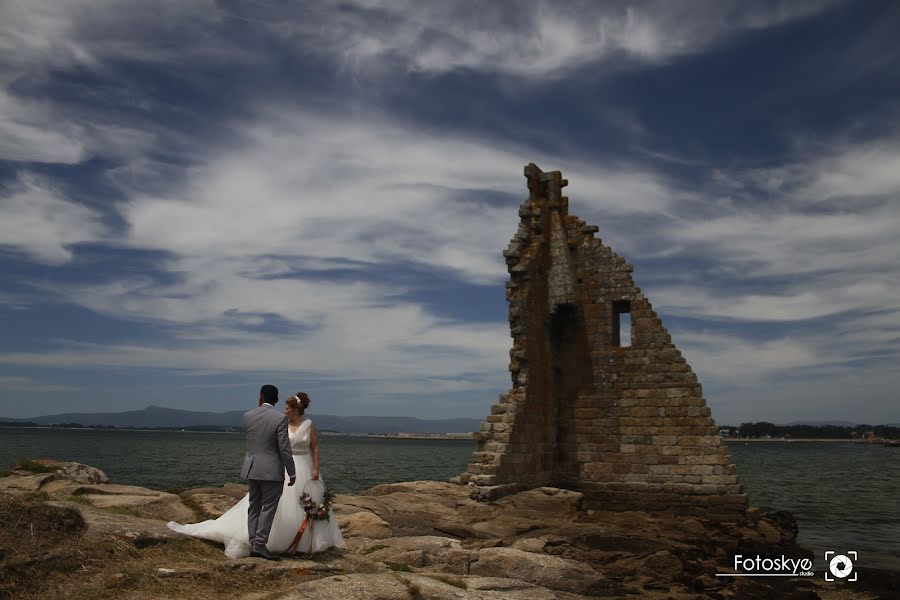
[231, 528]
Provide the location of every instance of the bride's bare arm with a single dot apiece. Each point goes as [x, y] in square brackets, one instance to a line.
[314, 446]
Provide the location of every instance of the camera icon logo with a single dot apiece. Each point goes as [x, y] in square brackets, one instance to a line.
[840, 566]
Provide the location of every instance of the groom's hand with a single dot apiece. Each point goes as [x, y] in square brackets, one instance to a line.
[292, 481]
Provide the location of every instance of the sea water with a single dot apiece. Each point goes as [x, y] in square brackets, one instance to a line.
[845, 496]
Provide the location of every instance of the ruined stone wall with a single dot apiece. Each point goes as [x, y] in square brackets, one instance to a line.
[626, 424]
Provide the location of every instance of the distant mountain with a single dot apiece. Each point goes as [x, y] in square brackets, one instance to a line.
[157, 416]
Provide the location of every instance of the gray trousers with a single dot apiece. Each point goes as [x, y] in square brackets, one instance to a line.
[264, 496]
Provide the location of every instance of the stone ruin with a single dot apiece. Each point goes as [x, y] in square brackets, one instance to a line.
[619, 417]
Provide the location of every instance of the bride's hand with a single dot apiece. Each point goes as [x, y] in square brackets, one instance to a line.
[315, 474]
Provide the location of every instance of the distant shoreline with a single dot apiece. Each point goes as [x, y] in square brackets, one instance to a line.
[150, 429]
[792, 440]
[421, 436]
[408, 436]
[391, 436]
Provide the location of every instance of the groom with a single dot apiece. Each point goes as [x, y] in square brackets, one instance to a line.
[268, 455]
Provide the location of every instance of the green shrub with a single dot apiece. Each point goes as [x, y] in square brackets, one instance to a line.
[32, 466]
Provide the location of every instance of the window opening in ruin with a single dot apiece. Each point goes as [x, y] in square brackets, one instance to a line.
[621, 323]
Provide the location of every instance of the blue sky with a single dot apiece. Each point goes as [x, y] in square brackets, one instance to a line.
[199, 197]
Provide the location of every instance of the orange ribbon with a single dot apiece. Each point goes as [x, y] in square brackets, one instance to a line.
[293, 547]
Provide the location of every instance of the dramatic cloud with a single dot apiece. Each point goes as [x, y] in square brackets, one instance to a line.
[524, 39]
[24, 135]
[315, 187]
[39, 222]
[196, 192]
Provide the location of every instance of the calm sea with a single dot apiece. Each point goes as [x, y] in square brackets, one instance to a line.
[845, 496]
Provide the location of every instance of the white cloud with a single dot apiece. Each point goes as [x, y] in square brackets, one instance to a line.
[296, 192]
[840, 372]
[38, 36]
[26, 134]
[247, 232]
[91, 32]
[314, 187]
[775, 251]
[393, 345]
[723, 356]
[531, 40]
[858, 171]
[836, 173]
[26, 384]
[40, 222]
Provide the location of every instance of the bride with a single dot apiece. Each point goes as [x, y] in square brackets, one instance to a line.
[231, 528]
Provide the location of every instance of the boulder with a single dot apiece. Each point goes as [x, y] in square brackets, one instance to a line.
[785, 523]
[768, 531]
[83, 473]
[497, 584]
[534, 544]
[213, 502]
[15, 484]
[434, 553]
[213, 506]
[356, 586]
[138, 531]
[403, 586]
[61, 489]
[364, 524]
[422, 507]
[545, 502]
[232, 490]
[115, 489]
[551, 572]
[659, 565]
[161, 505]
[436, 488]
[75, 471]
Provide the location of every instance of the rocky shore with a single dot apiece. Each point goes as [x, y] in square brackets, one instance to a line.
[68, 532]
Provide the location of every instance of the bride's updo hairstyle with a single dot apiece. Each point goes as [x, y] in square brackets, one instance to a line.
[299, 401]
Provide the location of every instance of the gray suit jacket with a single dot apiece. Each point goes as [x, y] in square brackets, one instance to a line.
[268, 446]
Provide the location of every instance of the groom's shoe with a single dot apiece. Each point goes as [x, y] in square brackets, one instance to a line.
[263, 553]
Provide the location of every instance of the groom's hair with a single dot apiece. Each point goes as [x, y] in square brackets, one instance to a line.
[269, 394]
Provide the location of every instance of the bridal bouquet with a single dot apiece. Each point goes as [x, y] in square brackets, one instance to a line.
[317, 511]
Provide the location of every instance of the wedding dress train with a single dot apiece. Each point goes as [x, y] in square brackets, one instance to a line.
[231, 528]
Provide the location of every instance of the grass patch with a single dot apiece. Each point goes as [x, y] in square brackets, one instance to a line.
[79, 500]
[126, 510]
[46, 556]
[375, 548]
[415, 592]
[31, 533]
[32, 466]
[395, 566]
[35, 496]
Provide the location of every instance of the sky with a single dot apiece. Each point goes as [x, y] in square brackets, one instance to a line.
[200, 197]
